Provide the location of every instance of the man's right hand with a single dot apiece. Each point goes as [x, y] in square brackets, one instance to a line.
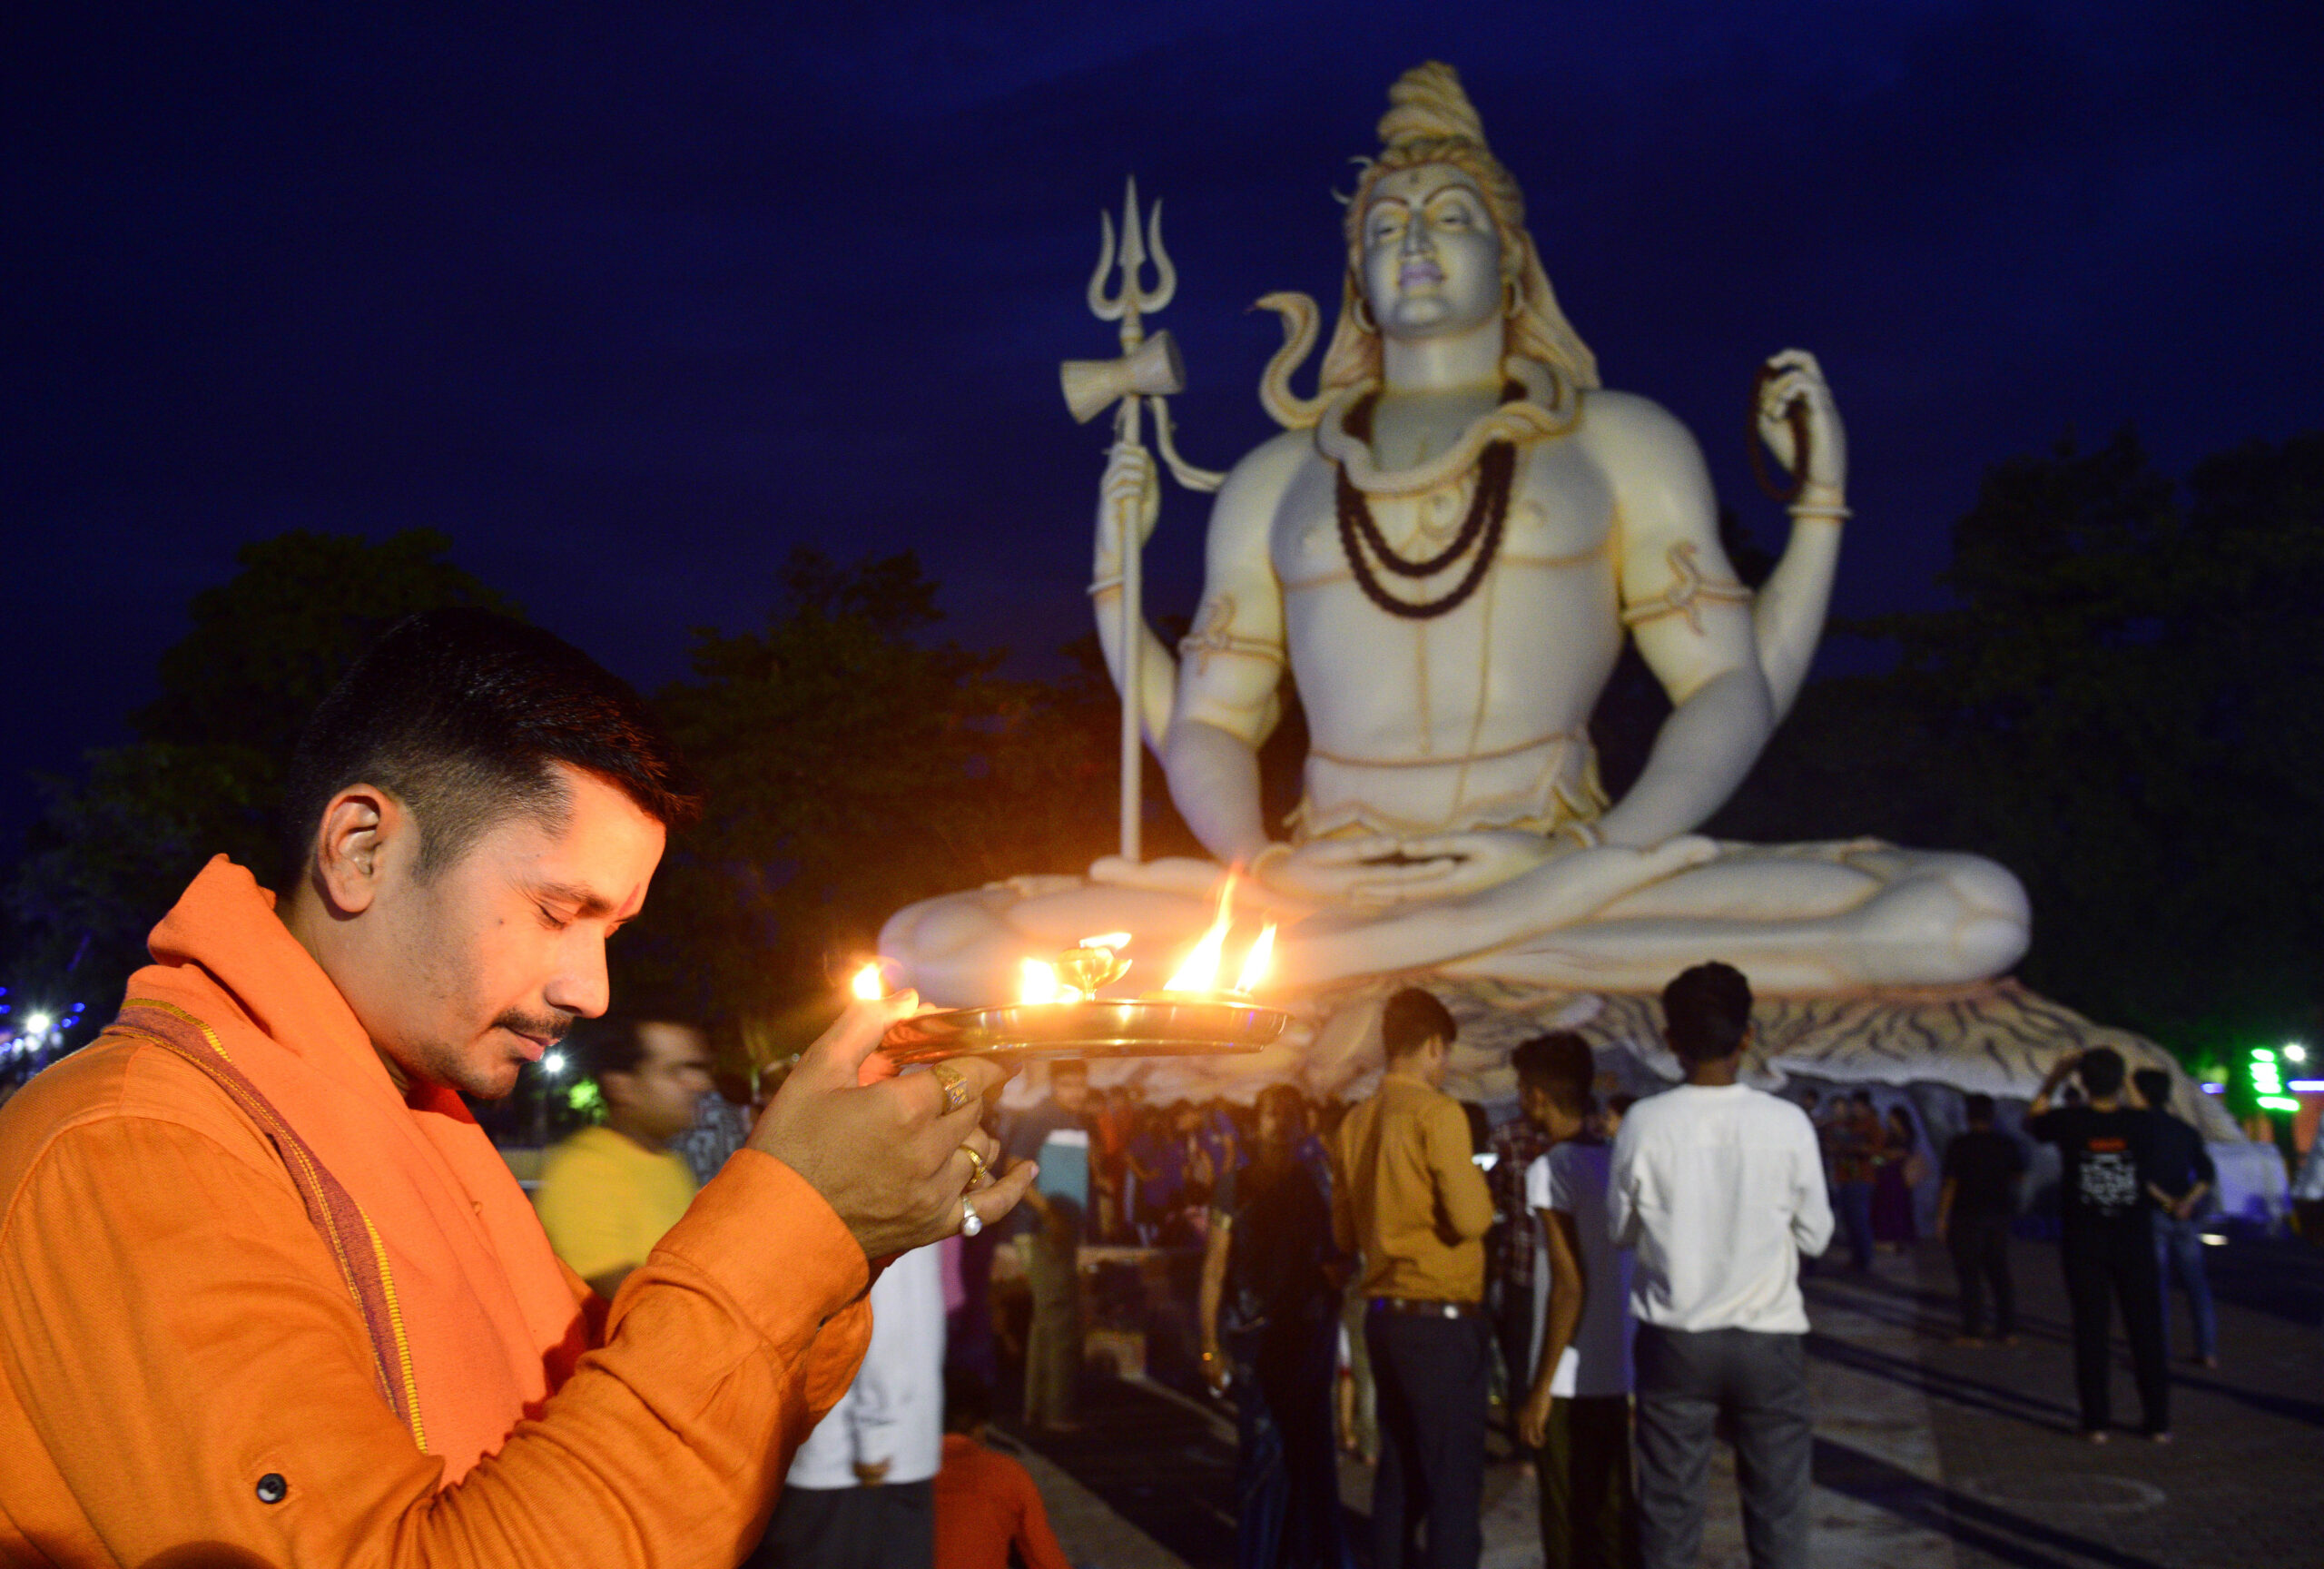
[881, 1149]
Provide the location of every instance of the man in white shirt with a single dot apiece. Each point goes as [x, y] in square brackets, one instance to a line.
[1720, 1188]
[862, 1493]
[1576, 1419]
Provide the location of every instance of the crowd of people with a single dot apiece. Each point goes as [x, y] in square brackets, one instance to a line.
[291, 1304]
[1616, 1278]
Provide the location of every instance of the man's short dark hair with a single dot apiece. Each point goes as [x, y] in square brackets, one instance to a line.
[460, 715]
[2154, 1086]
[2100, 1070]
[1558, 1062]
[1977, 1108]
[1411, 1019]
[1706, 1012]
[608, 1045]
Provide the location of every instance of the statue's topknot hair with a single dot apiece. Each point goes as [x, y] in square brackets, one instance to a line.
[1430, 120]
[1428, 105]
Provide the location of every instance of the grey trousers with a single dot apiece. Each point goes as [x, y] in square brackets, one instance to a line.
[1685, 1382]
[893, 1527]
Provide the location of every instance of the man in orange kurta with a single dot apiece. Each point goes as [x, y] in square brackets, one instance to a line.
[188, 1373]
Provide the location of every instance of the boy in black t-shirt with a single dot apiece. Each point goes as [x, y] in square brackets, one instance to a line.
[2107, 1244]
[1973, 1210]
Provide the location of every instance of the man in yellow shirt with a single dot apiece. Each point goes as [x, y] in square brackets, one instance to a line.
[1406, 1192]
[609, 1192]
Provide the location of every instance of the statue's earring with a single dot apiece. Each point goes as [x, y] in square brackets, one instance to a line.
[1360, 309]
[1511, 302]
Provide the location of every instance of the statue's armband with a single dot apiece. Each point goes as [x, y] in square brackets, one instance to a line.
[1213, 633]
[1689, 590]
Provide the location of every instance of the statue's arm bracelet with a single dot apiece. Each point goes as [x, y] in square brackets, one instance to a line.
[1687, 600]
[1105, 585]
[1688, 588]
[1200, 646]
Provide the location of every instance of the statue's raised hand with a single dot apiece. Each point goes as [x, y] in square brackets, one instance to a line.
[1797, 380]
[1130, 487]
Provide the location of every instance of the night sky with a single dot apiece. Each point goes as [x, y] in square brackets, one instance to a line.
[629, 301]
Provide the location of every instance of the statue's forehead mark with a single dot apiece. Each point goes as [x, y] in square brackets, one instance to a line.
[1423, 183]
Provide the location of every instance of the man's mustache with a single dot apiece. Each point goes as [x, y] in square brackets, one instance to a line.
[550, 1027]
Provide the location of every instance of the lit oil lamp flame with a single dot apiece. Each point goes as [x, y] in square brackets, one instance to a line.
[1040, 984]
[1256, 962]
[868, 983]
[1200, 971]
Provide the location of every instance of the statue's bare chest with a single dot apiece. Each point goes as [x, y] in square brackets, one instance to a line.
[1561, 514]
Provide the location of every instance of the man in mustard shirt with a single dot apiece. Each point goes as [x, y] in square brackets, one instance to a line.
[609, 1192]
[1407, 1191]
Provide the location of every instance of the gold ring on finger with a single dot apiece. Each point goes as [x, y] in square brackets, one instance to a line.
[954, 1083]
[976, 1164]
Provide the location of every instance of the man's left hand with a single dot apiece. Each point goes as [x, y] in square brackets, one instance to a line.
[885, 1152]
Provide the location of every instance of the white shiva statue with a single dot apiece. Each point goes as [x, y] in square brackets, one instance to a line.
[1444, 549]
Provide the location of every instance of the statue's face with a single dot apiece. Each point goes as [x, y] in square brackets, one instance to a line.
[1431, 257]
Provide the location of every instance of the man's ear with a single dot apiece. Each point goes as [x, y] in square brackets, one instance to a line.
[363, 832]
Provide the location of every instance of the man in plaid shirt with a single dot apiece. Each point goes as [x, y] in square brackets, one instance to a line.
[1509, 1252]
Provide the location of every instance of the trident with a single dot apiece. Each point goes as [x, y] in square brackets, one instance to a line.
[1149, 368]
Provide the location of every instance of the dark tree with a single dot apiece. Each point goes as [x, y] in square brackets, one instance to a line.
[2123, 708]
[114, 850]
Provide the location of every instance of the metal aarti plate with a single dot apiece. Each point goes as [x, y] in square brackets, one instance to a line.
[1146, 1027]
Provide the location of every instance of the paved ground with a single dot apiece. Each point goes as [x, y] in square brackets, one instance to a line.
[1926, 1453]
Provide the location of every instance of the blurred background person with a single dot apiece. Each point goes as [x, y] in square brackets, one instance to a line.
[1112, 1124]
[2181, 1183]
[722, 1125]
[1406, 1190]
[1054, 1130]
[1974, 1207]
[1053, 1348]
[988, 1514]
[1576, 1411]
[609, 1192]
[1607, 1120]
[1898, 1171]
[1850, 1144]
[1511, 1250]
[2106, 1235]
[862, 1492]
[1269, 1319]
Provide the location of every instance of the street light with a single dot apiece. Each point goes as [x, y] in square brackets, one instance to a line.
[553, 1064]
[37, 1023]
[2295, 1052]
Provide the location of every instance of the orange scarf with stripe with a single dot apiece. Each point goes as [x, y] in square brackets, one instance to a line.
[473, 1321]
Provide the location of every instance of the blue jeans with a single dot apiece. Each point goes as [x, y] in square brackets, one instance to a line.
[1433, 1375]
[2178, 1250]
[1286, 1471]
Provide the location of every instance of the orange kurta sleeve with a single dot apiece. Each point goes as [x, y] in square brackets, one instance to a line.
[167, 1341]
